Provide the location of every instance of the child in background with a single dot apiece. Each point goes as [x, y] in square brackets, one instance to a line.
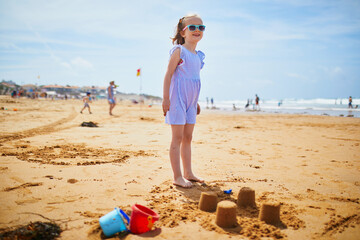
[111, 97]
[181, 94]
[86, 100]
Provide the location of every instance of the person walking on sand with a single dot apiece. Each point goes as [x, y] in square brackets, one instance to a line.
[111, 98]
[181, 94]
[257, 99]
[350, 102]
[87, 100]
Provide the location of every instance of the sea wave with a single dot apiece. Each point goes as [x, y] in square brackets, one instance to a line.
[318, 106]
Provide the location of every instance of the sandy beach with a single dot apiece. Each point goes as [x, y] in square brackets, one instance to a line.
[54, 169]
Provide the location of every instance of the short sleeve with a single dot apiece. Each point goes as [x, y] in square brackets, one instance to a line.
[182, 61]
[202, 57]
[176, 47]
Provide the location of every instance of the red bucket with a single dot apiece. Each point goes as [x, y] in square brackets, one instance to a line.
[142, 219]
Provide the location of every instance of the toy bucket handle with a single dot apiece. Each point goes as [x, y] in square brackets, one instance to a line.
[150, 223]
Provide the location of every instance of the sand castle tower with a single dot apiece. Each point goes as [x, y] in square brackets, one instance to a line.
[270, 213]
[246, 197]
[208, 201]
[226, 214]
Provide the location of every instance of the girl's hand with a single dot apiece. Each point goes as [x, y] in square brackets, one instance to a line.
[198, 110]
[166, 106]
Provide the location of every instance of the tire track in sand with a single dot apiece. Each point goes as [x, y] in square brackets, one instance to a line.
[52, 127]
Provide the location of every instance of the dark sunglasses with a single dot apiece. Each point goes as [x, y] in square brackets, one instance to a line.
[192, 28]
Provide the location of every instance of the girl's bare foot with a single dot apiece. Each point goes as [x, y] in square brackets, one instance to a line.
[182, 182]
[193, 178]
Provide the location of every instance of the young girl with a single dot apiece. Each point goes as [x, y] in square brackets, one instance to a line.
[181, 93]
[86, 100]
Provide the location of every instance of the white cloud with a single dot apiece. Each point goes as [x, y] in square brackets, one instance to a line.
[337, 70]
[77, 63]
[80, 62]
[294, 75]
[332, 70]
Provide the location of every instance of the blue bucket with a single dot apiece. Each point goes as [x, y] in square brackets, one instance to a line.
[114, 222]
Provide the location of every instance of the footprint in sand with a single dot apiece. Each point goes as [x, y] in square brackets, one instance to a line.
[3, 168]
[22, 186]
[17, 179]
[24, 201]
[72, 180]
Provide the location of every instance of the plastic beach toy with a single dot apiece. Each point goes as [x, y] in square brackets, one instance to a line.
[228, 191]
[114, 222]
[142, 219]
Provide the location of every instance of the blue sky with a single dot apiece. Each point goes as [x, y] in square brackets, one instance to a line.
[277, 49]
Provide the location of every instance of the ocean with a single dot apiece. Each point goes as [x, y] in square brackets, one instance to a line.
[319, 106]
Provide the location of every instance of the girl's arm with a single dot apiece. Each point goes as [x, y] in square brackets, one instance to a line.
[173, 63]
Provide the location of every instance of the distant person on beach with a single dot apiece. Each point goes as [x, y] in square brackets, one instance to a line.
[13, 94]
[350, 102]
[257, 100]
[111, 98]
[212, 102]
[181, 95]
[87, 100]
[247, 104]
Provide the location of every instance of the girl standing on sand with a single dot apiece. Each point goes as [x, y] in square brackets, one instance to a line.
[181, 94]
[87, 100]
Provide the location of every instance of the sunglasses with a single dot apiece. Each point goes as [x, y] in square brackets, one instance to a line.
[192, 28]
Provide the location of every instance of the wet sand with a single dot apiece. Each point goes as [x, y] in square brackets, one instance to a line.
[52, 168]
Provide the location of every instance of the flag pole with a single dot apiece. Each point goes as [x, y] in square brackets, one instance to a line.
[140, 89]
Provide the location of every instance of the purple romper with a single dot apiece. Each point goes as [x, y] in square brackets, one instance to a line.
[185, 87]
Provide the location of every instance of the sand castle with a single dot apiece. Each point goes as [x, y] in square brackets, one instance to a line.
[246, 197]
[226, 214]
[208, 201]
[226, 210]
[270, 213]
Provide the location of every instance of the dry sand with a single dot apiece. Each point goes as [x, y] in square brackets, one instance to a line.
[52, 168]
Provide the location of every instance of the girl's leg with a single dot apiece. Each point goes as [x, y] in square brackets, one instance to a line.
[186, 153]
[89, 110]
[177, 135]
[82, 110]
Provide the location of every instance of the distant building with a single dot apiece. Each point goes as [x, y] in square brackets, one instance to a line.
[6, 87]
[27, 87]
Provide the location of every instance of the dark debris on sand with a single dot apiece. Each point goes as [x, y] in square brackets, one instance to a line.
[33, 231]
[89, 124]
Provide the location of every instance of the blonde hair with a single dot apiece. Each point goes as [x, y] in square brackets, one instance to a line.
[178, 39]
